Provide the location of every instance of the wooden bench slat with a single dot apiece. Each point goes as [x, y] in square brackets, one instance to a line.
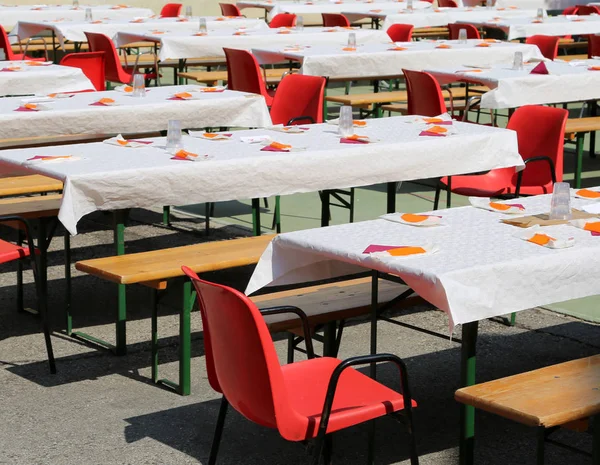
[210, 77]
[550, 396]
[575, 125]
[31, 207]
[30, 184]
[160, 265]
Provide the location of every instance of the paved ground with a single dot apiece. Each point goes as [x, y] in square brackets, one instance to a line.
[102, 409]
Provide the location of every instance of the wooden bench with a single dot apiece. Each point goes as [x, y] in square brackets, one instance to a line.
[211, 78]
[156, 268]
[31, 207]
[576, 129]
[546, 398]
[30, 184]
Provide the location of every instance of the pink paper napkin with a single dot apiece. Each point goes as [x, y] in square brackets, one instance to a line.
[540, 68]
[380, 248]
[344, 140]
[24, 109]
[432, 134]
[268, 148]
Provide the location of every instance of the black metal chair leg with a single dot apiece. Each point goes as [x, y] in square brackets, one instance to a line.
[436, 201]
[327, 449]
[20, 305]
[290, 348]
[352, 205]
[214, 449]
[449, 193]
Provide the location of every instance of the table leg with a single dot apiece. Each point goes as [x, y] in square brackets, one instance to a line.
[467, 378]
[391, 197]
[256, 217]
[579, 159]
[325, 195]
[68, 290]
[43, 243]
[121, 330]
[374, 309]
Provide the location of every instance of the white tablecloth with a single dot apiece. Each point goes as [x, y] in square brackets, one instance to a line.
[109, 177]
[519, 28]
[74, 31]
[377, 60]
[11, 14]
[181, 45]
[512, 89]
[151, 113]
[41, 79]
[481, 270]
[443, 16]
[319, 7]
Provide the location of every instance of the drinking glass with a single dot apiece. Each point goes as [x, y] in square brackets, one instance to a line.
[88, 15]
[188, 12]
[202, 26]
[139, 86]
[352, 40]
[462, 36]
[346, 123]
[540, 14]
[299, 23]
[488, 4]
[75, 4]
[174, 138]
[560, 207]
[518, 61]
[409, 6]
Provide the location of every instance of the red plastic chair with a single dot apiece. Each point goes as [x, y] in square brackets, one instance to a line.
[299, 100]
[570, 10]
[303, 400]
[424, 94]
[400, 32]
[171, 10]
[447, 4]
[244, 74]
[334, 20]
[92, 65]
[454, 29]
[548, 45]
[283, 20]
[11, 252]
[593, 45]
[8, 52]
[229, 9]
[585, 10]
[540, 134]
[114, 70]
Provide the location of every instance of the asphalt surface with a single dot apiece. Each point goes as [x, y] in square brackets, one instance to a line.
[103, 409]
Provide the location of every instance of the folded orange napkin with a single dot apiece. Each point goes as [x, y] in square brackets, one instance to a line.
[355, 139]
[483, 44]
[349, 49]
[594, 68]
[397, 49]
[413, 219]
[380, 251]
[189, 156]
[486, 204]
[592, 225]
[105, 102]
[537, 237]
[276, 147]
[443, 46]
[587, 194]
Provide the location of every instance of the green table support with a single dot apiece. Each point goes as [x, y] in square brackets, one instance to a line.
[467, 378]
[579, 159]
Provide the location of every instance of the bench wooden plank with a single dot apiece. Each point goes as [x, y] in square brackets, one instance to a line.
[32, 207]
[550, 396]
[211, 77]
[31, 184]
[576, 125]
[161, 265]
[326, 302]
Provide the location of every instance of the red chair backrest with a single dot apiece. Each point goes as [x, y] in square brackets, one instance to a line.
[400, 32]
[5, 45]
[113, 69]
[454, 29]
[229, 9]
[548, 45]
[92, 65]
[570, 10]
[447, 4]
[424, 94]
[540, 132]
[241, 359]
[298, 95]
[593, 45]
[335, 20]
[283, 20]
[171, 10]
[585, 10]
[244, 73]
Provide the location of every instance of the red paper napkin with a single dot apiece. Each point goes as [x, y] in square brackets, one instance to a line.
[540, 68]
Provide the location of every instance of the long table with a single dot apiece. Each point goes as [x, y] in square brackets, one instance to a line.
[481, 270]
[182, 45]
[521, 28]
[131, 115]
[27, 78]
[108, 177]
[74, 31]
[435, 17]
[11, 14]
[373, 60]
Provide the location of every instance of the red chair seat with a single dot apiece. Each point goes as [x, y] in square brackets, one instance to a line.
[10, 252]
[358, 398]
[487, 185]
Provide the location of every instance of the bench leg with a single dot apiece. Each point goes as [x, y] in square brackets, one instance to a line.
[256, 217]
[325, 213]
[579, 160]
[185, 339]
[596, 441]
[391, 197]
[541, 443]
[167, 216]
[467, 412]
